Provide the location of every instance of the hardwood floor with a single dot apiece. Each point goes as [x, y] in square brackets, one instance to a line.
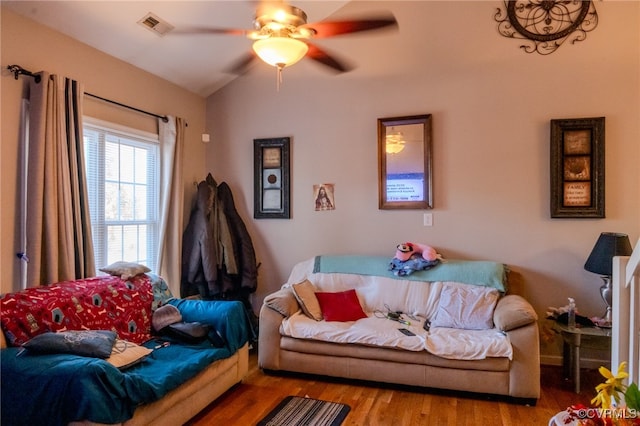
[381, 404]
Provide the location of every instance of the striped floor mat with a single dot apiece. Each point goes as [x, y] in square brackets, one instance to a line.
[298, 411]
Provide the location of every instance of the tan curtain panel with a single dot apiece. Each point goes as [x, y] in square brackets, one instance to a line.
[171, 136]
[59, 244]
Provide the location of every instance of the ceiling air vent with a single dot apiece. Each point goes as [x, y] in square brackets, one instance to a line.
[156, 24]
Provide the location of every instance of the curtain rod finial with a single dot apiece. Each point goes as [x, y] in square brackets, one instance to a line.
[17, 70]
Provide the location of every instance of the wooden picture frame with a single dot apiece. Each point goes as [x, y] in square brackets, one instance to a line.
[271, 197]
[577, 168]
[405, 163]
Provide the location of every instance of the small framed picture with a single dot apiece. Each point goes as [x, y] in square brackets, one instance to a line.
[577, 168]
[271, 178]
[324, 197]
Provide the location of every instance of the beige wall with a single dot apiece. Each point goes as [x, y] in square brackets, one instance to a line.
[36, 48]
[491, 104]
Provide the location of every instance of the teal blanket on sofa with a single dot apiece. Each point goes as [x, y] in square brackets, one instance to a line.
[59, 388]
[477, 272]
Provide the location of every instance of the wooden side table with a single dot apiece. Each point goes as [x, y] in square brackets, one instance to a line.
[580, 337]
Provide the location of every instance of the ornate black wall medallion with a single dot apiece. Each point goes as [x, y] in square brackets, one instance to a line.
[546, 24]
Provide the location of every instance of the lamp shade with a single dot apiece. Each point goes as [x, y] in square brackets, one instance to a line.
[609, 244]
[280, 51]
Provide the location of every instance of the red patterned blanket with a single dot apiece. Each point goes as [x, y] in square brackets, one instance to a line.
[99, 303]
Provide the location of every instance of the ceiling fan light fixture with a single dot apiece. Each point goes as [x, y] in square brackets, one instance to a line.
[280, 51]
[283, 15]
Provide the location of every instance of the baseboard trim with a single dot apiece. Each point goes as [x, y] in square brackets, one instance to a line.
[584, 362]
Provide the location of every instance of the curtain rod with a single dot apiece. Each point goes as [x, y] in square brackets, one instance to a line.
[17, 70]
[163, 117]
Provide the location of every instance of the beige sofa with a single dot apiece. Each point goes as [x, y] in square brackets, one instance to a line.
[181, 403]
[518, 377]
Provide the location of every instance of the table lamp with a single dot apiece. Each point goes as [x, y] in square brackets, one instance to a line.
[600, 262]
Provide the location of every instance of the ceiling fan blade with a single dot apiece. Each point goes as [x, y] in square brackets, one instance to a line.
[242, 65]
[209, 30]
[324, 29]
[324, 58]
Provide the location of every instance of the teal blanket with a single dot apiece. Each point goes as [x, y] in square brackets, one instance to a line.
[57, 389]
[484, 273]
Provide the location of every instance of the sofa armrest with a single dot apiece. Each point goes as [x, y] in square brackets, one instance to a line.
[524, 373]
[282, 301]
[275, 308]
[513, 311]
[226, 317]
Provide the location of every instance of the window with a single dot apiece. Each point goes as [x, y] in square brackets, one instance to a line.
[123, 184]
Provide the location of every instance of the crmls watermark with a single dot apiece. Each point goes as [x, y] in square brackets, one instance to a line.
[610, 413]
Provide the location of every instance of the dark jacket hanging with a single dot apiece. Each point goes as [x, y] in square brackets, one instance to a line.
[199, 266]
[218, 258]
[246, 280]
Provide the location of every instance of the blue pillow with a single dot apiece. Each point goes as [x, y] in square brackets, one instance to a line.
[91, 343]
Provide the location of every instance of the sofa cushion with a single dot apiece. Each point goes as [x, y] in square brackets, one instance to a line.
[377, 353]
[93, 343]
[380, 332]
[305, 294]
[164, 316]
[465, 306]
[283, 302]
[125, 270]
[513, 311]
[340, 306]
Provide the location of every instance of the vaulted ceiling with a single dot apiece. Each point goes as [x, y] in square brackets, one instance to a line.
[196, 62]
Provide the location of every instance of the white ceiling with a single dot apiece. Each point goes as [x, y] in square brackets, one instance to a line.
[194, 62]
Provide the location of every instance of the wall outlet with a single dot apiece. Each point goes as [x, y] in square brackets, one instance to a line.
[428, 219]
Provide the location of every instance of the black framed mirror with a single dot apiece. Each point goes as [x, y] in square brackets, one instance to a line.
[404, 162]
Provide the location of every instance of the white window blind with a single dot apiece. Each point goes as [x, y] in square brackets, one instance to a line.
[122, 177]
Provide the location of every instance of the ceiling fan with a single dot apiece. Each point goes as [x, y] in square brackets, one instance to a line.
[282, 36]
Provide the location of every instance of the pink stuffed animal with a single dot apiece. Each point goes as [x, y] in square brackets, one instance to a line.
[405, 250]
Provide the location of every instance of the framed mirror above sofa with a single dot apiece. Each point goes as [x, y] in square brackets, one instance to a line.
[404, 163]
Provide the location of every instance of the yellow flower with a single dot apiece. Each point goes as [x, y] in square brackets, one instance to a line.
[613, 387]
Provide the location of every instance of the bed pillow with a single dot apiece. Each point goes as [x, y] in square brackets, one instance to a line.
[127, 354]
[340, 306]
[305, 294]
[125, 270]
[465, 306]
[90, 343]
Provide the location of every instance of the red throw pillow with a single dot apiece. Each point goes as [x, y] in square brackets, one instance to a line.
[340, 306]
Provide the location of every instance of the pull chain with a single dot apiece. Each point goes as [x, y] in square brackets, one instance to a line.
[279, 67]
